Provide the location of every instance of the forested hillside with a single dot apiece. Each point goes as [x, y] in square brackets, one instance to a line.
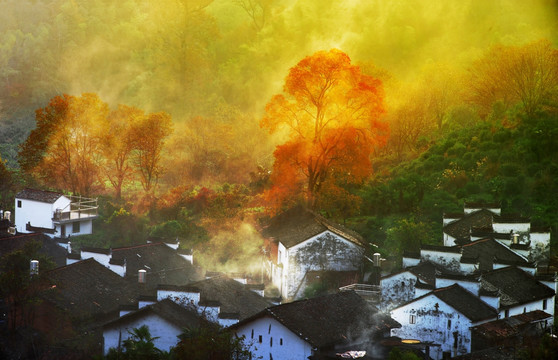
[199, 118]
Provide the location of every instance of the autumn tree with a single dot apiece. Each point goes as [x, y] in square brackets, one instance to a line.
[118, 146]
[68, 135]
[526, 75]
[149, 136]
[331, 112]
[6, 186]
[32, 151]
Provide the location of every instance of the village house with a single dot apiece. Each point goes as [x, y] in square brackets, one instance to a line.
[485, 262]
[323, 325]
[76, 301]
[302, 242]
[53, 213]
[220, 299]
[518, 291]
[443, 318]
[486, 221]
[160, 263]
[479, 255]
[511, 332]
[165, 319]
[507, 290]
[48, 246]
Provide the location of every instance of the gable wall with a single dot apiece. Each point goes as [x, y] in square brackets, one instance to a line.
[397, 289]
[102, 259]
[347, 257]
[272, 331]
[179, 297]
[38, 213]
[166, 332]
[450, 261]
[409, 261]
[539, 239]
[472, 286]
[432, 325]
[506, 228]
[448, 240]
[532, 306]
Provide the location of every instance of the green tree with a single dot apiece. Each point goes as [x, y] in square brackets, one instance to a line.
[18, 287]
[139, 346]
[6, 186]
[408, 234]
[209, 342]
[398, 354]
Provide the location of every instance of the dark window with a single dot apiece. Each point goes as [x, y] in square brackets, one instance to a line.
[544, 304]
[281, 341]
[455, 339]
[76, 227]
[271, 342]
[449, 324]
[507, 313]
[412, 319]
[260, 339]
[252, 334]
[269, 329]
[19, 203]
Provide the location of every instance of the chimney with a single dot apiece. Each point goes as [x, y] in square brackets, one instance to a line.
[515, 238]
[376, 259]
[7, 215]
[141, 276]
[34, 267]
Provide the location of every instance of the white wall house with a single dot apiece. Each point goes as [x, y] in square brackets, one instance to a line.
[303, 328]
[442, 317]
[324, 252]
[486, 221]
[165, 320]
[53, 213]
[308, 242]
[267, 336]
[397, 289]
[519, 291]
[220, 299]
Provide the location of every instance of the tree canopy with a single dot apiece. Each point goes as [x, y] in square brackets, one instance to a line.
[332, 114]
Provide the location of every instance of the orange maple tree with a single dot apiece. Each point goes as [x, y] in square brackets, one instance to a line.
[331, 110]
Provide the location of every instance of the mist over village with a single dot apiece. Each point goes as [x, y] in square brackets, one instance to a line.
[278, 179]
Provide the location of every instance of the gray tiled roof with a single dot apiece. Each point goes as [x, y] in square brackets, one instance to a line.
[511, 326]
[462, 227]
[488, 251]
[49, 246]
[328, 320]
[233, 296]
[167, 309]
[465, 302]
[88, 290]
[38, 195]
[515, 286]
[299, 224]
[163, 265]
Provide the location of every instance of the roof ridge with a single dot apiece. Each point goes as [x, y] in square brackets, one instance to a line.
[137, 246]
